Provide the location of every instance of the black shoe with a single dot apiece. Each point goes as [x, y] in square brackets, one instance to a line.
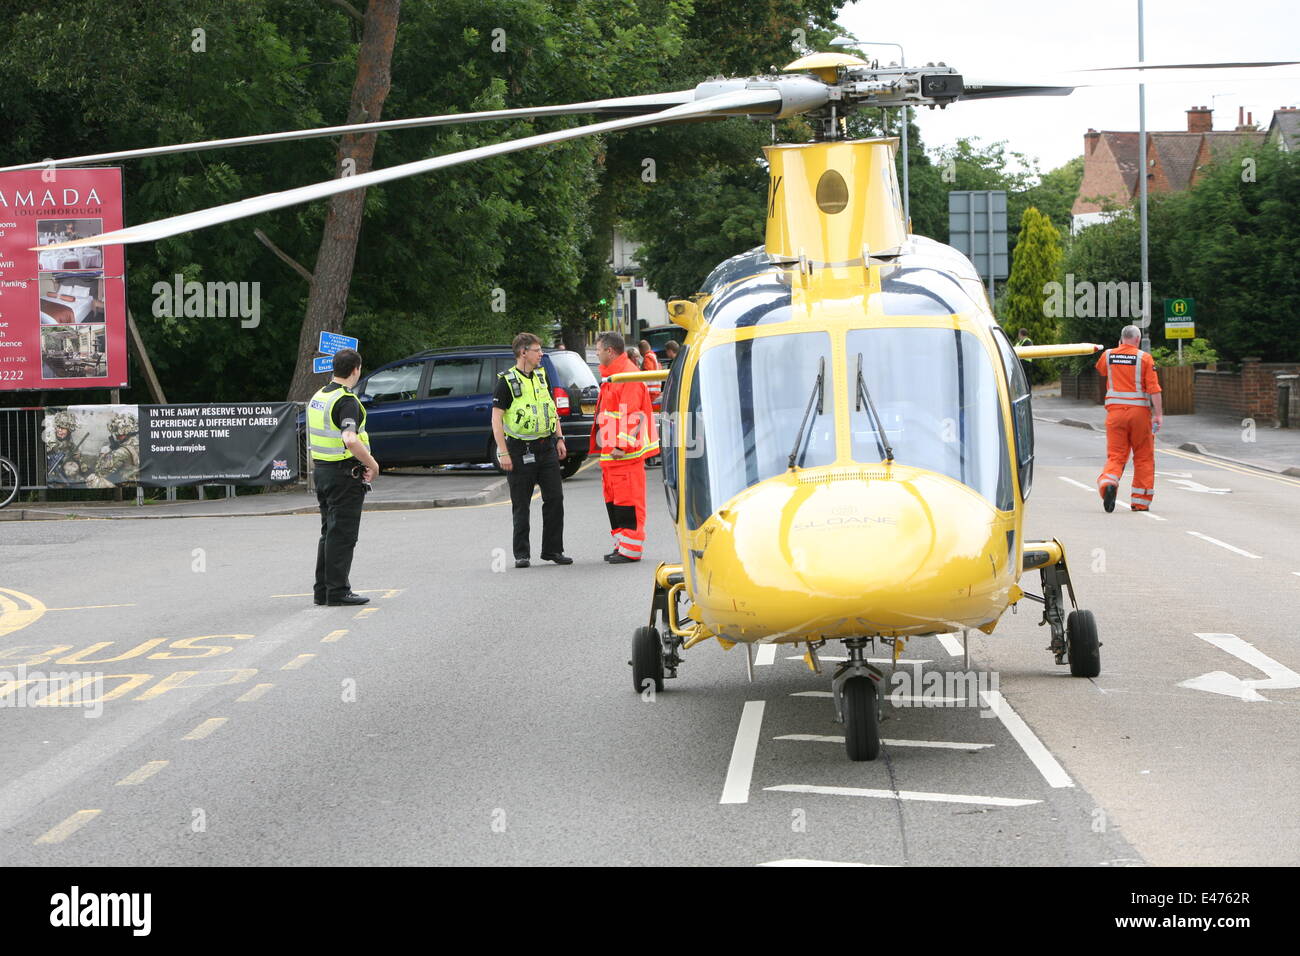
[621, 559]
[558, 558]
[318, 599]
[521, 562]
[612, 554]
[1108, 497]
[348, 599]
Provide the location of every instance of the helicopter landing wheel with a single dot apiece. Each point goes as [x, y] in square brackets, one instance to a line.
[861, 718]
[647, 659]
[1082, 645]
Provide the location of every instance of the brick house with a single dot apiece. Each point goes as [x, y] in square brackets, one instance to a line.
[1110, 159]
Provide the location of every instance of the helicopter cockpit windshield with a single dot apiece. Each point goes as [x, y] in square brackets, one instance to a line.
[936, 394]
[747, 425]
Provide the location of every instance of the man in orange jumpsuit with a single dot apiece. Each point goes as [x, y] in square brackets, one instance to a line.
[1132, 394]
[625, 434]
[650, 363]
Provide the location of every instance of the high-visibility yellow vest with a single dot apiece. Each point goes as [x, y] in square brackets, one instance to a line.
[532, 413]
[323, 439]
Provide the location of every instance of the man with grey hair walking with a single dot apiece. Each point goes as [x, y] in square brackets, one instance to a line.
[1132, 394]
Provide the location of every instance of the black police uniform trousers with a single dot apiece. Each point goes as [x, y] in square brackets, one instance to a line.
[340, 496]
[544, 472]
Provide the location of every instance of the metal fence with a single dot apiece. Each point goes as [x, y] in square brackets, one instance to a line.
[22, 443]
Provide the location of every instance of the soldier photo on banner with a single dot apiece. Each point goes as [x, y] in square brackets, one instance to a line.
[91, 446]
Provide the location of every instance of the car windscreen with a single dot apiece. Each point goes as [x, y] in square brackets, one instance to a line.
[571, 370]
[936, 392]
[748, 402]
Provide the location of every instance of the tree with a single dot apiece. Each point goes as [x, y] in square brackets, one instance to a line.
[332, 275]
[1037, 263]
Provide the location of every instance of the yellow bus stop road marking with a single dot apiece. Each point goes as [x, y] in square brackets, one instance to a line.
[205, 728]
[87, 607]
[297, 662]
[333, 636]
[364, 612]
[143, 774]
[17, 610]
[387, 592]
[68, 827]
[253, 693]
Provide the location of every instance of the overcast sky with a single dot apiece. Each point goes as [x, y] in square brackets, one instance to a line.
[1017, 39]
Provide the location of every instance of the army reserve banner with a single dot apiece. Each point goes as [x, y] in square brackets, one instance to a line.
[103, 446]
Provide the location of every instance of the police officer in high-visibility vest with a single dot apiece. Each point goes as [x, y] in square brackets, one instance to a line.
[530, 447]
[344, 468]
[1132, 396]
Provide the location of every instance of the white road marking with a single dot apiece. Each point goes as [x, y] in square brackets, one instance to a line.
[741, 769]
[766, 655]
[947, 744]
[909, 698]
[1190, 485]
[951, 643]
[68, 827]
[143, 774]
[1042, 758]
[815, 863]
[1223, 544]
[1280, 677]
[1080, 484]
[904, 795]
[870, 660]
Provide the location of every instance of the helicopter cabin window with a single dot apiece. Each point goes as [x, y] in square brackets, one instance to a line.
[935, 395]
[671, 436]
[1022, 414]
[765, 300]
[753, 404]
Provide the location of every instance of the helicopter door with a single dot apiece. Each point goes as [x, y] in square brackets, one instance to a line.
[1022, 414]
[673, 432]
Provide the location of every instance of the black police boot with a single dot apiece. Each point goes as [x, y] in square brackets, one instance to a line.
[348, 599]
[1108, 497]
[521, 562]
[622, 559]
[558, 558]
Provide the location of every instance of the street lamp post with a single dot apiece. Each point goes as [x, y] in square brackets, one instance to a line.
[1142, 181]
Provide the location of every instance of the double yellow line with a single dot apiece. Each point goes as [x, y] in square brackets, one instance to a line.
[1228, 466]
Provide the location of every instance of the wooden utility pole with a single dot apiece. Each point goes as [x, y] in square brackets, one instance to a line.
[332, 275]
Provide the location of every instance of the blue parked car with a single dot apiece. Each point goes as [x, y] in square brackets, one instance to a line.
[435, 407]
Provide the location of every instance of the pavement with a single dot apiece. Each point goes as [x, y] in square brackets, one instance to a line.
[401, 489]
[1226, 438]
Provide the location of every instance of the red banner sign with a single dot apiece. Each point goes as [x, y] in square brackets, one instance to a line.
[62, 311]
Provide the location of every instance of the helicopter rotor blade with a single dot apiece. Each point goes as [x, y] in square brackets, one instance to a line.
[1255, 64]
[737, 102]
[620, 105]
[1062, 84]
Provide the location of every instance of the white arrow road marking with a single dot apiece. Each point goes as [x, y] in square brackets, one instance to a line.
[1080, 484]
[1034, 749]
[904, 795]
[951, 643]
[766, 655]
[1190, 485]
[1223, 544]
[1280, 677]
[871, 660]
[741, 769]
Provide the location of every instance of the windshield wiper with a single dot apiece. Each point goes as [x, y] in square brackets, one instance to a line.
[817, 395]
[882, 440]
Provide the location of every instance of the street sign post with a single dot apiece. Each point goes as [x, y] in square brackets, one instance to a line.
[1180, 322]
[332, 343]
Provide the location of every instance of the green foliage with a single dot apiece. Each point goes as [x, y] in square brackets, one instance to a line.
[1037, 262]
[1196, 352]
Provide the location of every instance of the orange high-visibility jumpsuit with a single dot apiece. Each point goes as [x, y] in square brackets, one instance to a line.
[1131, 380]
[650, 363]
[624, 422]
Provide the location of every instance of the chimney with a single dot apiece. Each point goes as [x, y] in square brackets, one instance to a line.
[1090, 141]
[1200, 119]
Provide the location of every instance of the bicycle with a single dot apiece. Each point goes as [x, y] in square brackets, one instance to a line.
[9, 482]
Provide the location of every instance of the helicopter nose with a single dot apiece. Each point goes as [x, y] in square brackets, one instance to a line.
[845, 555]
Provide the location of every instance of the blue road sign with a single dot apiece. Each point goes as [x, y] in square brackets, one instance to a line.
[323, 363]
[332, 342]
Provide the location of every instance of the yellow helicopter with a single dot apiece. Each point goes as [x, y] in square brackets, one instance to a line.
[848, 440]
